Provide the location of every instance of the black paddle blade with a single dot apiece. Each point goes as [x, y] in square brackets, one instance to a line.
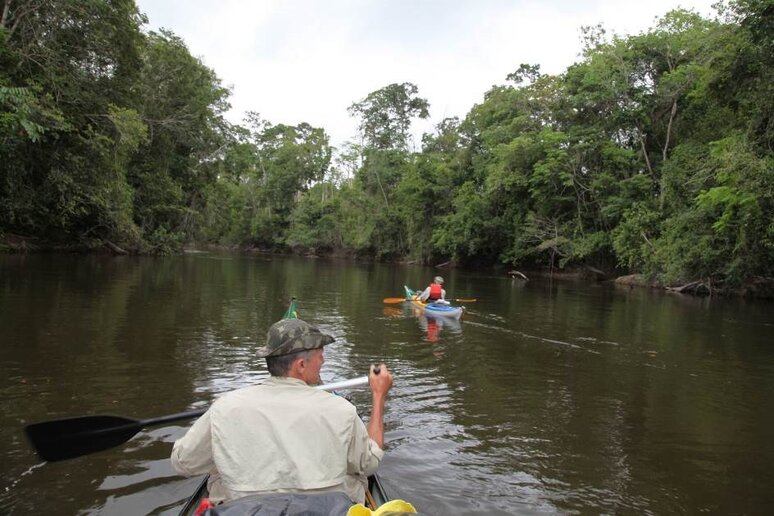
[72, 437]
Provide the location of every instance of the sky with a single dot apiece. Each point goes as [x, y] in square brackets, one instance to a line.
[297, 61]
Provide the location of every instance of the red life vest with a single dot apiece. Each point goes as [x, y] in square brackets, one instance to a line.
[435, 292]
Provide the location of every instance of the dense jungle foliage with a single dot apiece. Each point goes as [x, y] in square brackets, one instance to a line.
[653, 153]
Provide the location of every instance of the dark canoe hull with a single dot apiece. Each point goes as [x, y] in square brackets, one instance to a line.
[377, 491]
[189, 509]
[375, 488]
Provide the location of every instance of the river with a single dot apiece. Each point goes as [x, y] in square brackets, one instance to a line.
[548, 397]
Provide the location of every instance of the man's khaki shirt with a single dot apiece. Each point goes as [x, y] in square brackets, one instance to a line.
[281, 436]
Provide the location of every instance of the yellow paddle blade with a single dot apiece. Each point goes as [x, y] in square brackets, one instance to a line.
[391, 507]
[459, 300]
[393, 300]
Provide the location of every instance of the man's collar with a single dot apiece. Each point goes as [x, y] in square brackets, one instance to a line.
[284, 380]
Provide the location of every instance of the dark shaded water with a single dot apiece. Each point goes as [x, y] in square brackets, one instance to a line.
[548, 397]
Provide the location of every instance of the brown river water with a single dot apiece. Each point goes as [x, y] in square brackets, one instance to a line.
[548, 397]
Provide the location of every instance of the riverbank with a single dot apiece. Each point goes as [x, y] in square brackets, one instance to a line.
[18, 244]
[754, 288]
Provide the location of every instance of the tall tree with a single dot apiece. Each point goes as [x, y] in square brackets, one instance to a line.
[182, 102]
[385, 115]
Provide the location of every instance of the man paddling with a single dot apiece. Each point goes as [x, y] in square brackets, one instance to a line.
[284, 436]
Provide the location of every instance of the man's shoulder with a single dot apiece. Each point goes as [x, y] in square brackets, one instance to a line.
[313, 395]
[330, 405]
[236, 394]
[331, 399]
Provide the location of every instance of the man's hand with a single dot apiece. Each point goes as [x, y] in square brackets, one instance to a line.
[380, 382]
[380, 385]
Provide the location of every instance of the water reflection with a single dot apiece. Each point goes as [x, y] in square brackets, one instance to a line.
[393, 312]
[433, 326]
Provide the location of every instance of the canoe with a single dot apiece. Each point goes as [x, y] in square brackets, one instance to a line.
[375, 496]
[433, 309]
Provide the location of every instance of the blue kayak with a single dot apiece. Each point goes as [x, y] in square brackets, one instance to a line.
[438, 309]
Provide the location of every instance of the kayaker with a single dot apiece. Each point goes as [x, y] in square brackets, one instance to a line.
[434, 292]
[284, 436]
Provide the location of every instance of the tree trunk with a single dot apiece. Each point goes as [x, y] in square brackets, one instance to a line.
[672, 114]
[645, 155]
[4, 18]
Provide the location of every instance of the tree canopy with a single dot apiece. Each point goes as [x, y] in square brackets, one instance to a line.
[653, 153]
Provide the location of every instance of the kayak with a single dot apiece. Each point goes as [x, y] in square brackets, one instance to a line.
[436, 309]
[375, 497]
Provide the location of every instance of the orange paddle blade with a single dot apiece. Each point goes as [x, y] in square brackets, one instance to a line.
[394, 300]
[464, 300]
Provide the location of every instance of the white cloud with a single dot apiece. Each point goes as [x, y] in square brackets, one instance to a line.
[307, 60]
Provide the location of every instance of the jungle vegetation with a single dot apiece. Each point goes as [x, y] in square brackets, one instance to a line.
[653, 153]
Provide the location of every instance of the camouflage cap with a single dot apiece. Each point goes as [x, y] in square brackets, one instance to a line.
[291, 336]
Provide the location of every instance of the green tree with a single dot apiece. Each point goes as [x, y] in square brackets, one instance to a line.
[182, 102]
[68, 70]
[385, 115]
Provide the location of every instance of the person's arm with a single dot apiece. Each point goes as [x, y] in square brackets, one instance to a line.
[380, 386]
[424, 295]
[192, 453]
[443, 294]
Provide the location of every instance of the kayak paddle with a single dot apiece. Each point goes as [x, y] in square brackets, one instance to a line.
[396, 300]
[72, 437]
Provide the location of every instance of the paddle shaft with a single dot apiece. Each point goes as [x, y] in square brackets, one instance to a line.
[76, 436]
[154, 421]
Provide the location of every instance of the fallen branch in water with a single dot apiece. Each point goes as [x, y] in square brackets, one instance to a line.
[694, 287]
[515, 274]
[113, 247]
[594, 273]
